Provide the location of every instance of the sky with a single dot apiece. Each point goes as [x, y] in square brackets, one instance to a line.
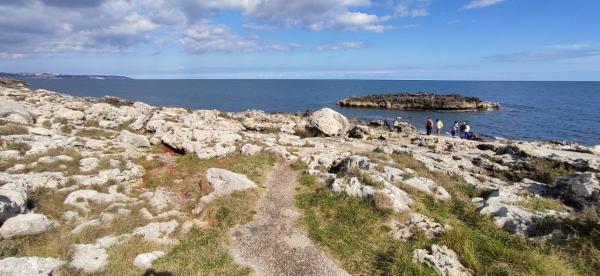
[315, 39]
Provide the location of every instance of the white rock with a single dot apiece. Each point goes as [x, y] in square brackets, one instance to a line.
[52, 159]
[30, 266]
[69, 114]
[160, 199]
[24, 225]
[328, 122]
[82, 198]
[443, 259]
[89, 258]
[250, 149]
[353, 188]
[144, 261]
[158, 232]
[223, 182]
[133, 139]
[88, 164]
[9, 154]
[13, 200]
[417, 222]
[428, 186]
[14, 111]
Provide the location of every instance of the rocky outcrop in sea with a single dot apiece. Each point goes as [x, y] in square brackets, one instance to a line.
[419, 101]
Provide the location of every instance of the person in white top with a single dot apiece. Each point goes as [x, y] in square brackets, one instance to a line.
[439, 126]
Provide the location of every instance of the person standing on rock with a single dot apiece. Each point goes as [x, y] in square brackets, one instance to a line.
[462, 130]
[429, 125]
[455, 128]
[439, 126]
[467, 131]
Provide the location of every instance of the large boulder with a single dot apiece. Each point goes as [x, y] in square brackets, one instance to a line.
[579, 190]
[15, 112]
[31, 266]
[443, 259]
[328, 122]
[134, 139]
[24, 225]
[13, 200]
[223, 182]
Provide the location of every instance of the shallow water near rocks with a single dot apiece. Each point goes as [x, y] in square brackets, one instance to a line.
[530, 110]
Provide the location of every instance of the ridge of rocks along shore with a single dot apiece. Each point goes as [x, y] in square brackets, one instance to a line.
[106, 186]
[419, 101]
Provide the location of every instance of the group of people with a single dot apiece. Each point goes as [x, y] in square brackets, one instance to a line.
[463, 130]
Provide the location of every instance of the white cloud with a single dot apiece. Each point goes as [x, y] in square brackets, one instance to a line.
[33, 27]
[412, 8]
[343, 45]
[476, 4]
[569, 46]
[205, 37]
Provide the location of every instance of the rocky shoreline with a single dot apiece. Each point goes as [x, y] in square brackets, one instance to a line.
[419, 101]
[100, 161]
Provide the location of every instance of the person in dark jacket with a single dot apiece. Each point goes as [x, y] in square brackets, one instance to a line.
[429, 125]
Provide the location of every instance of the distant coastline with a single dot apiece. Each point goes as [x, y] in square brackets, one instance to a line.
[60, 76]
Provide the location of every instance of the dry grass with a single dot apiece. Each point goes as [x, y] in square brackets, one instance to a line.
[13, 129]
[96, 133]
[18, 146]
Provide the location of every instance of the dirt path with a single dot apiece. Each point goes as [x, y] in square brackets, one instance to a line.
[271, 244]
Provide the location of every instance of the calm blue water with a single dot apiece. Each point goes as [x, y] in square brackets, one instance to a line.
[530, 110]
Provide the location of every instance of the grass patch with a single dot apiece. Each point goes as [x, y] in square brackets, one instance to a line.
[204, 251]
[12, 129]
[542, 204]
[95, 133]
[354, 231]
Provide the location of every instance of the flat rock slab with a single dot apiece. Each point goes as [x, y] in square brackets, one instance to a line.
[271, 244]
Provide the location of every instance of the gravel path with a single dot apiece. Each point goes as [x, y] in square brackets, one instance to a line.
[271, 244]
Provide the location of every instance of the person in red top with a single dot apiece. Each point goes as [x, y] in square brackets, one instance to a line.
[429, 125]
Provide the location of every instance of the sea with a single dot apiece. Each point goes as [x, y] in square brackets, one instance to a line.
[530, 110]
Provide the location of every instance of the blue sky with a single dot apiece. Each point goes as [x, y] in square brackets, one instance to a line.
[366, 39]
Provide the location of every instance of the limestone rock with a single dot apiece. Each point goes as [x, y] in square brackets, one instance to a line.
[15, 112]
[579, 190]
[24, 225]
[352, 188]
[328, 122]
[250, 149]
[224, 182]
[13, 200]
[9, 154]
[158, 232]
[144, 261]
[511, 217]
[69, 115]
[30, 266]
[360, 132]
[417, 222]
[89, 258]
[443, 259]
[82, 198]
[351, 164]
[134, 139]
